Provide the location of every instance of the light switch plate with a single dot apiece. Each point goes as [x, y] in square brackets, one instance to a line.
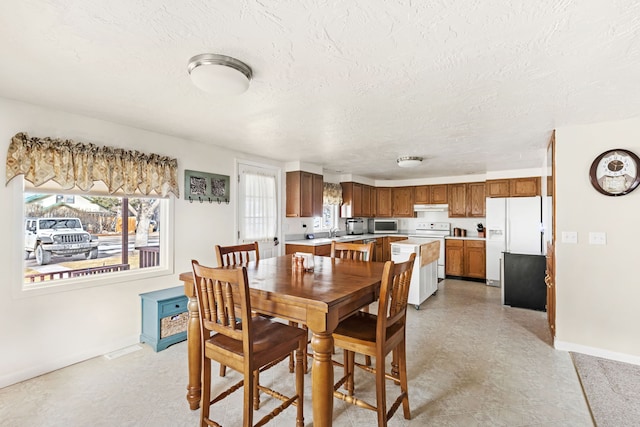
[597, 238]
[569, 237]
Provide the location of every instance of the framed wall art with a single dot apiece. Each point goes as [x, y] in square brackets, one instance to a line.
[206, 187]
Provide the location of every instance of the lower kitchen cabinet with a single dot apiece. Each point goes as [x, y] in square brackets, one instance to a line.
[386, 246]
[320, 250]
[465, 258]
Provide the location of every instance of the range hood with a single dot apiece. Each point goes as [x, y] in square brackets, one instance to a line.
[430, 208]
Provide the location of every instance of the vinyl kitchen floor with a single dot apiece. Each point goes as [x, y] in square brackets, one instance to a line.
[471, 362]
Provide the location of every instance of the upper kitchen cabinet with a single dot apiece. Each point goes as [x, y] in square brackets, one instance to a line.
[498, 188]
[476, 200]
[356, 200]
[304, 194]
[422, 195]
[514, 187]
[457, 200]
[403, 202]
[438, 194]
[466, 200]
[383, 202]
[525, 187]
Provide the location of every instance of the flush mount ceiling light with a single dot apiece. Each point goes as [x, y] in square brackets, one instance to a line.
[219, 74]
[409, 161]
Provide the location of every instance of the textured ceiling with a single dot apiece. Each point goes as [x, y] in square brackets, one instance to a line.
[473, 86]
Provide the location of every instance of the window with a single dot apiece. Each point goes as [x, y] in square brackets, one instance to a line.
[82, 239]
[329, 218]
[259, 204]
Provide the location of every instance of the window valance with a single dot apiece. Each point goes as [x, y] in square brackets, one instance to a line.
[73, 164]
[331, 194]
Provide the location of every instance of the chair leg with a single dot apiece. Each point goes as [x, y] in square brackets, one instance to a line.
[394, 366]
[402, 356]
[205, 399]
[349, 368]
[256, 392]
[381, 395]
[301, 361]
[247, 408]
[292, 356]
[223, 370]
[367, 359]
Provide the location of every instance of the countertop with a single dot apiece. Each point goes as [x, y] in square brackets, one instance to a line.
[347, 238]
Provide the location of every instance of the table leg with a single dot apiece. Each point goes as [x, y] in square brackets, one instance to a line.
[322, 379]
[193, 353]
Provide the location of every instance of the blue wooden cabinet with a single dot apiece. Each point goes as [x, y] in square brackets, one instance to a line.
[164, 317]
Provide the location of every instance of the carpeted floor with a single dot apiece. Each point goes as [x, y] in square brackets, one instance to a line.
[612, 390]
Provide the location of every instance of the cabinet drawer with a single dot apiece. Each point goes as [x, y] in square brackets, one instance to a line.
[474, 243]
[175, 305]
[454, 243]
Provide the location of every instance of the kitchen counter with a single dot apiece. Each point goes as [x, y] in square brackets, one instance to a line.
[347, 238]
[465, 238]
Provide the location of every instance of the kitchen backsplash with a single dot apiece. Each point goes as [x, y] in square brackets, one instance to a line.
[295, 225]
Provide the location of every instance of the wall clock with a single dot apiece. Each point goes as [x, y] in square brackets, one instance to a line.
[615, 172]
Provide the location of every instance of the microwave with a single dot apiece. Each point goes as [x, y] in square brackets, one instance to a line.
[383, 226]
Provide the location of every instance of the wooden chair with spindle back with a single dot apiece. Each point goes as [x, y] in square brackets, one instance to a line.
[248, 345]
[377, 336]
[236, 255]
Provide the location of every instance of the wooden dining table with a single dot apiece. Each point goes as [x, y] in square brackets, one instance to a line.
[334, 290]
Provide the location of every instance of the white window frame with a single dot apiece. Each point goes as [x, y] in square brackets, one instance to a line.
[335, 222]
[20, 289]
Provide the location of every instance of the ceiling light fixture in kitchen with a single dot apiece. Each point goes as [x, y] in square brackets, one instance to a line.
[219, 74]
[409, 161]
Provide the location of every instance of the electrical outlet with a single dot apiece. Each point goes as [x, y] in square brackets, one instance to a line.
[569, 237]
[597, 238]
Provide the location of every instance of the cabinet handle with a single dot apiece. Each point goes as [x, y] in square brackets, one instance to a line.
[177, 305]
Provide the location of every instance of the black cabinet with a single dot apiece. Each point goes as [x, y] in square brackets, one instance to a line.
[524, 285]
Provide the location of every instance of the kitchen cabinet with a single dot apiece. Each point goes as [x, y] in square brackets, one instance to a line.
[356, 200]
[438, 194]
[514, 187]
[498, 188]
[320, 250]
[304, 194]
[386, 246]
[524, 187]
[402, 202]
[383, 202]
[457, 195]
[378, 250]
[465, 258]
[374, 201]
[422, 195]
[466, 200]
[476, 199]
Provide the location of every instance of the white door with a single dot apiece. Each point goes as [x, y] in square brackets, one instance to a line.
[258, 207]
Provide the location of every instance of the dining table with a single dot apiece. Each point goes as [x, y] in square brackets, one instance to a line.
[334, 290]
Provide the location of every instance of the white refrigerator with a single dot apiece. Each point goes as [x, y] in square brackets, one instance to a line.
[514, 224]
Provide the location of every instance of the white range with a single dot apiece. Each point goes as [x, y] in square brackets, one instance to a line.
[429, 264]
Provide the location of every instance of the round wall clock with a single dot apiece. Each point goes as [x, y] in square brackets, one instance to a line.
[615, 172]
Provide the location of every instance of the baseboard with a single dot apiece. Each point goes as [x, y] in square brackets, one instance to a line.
[597, 352]
[68, 360]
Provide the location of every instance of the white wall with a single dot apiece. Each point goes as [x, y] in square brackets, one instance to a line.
[598, 289]
[43, 333]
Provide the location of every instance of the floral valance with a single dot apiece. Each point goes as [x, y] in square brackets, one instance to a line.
[73, 164]
[331, 194]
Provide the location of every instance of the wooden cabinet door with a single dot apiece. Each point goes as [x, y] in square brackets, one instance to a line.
[457, 200]
[476, 199]
[454, 257]
[366, 201]
[498, 188]
[383, 206]
[318, 182]
[306, 194]
[403, 202]
[357, 199]
[378, 252]
[525, 187]
[474, 259]
[438, 194]
[293, 194]
[422, 195]
[374, 202]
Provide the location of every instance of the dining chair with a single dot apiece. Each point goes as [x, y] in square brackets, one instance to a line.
[248, 345]
[377, 336]
[358, 252]
[236, 255]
